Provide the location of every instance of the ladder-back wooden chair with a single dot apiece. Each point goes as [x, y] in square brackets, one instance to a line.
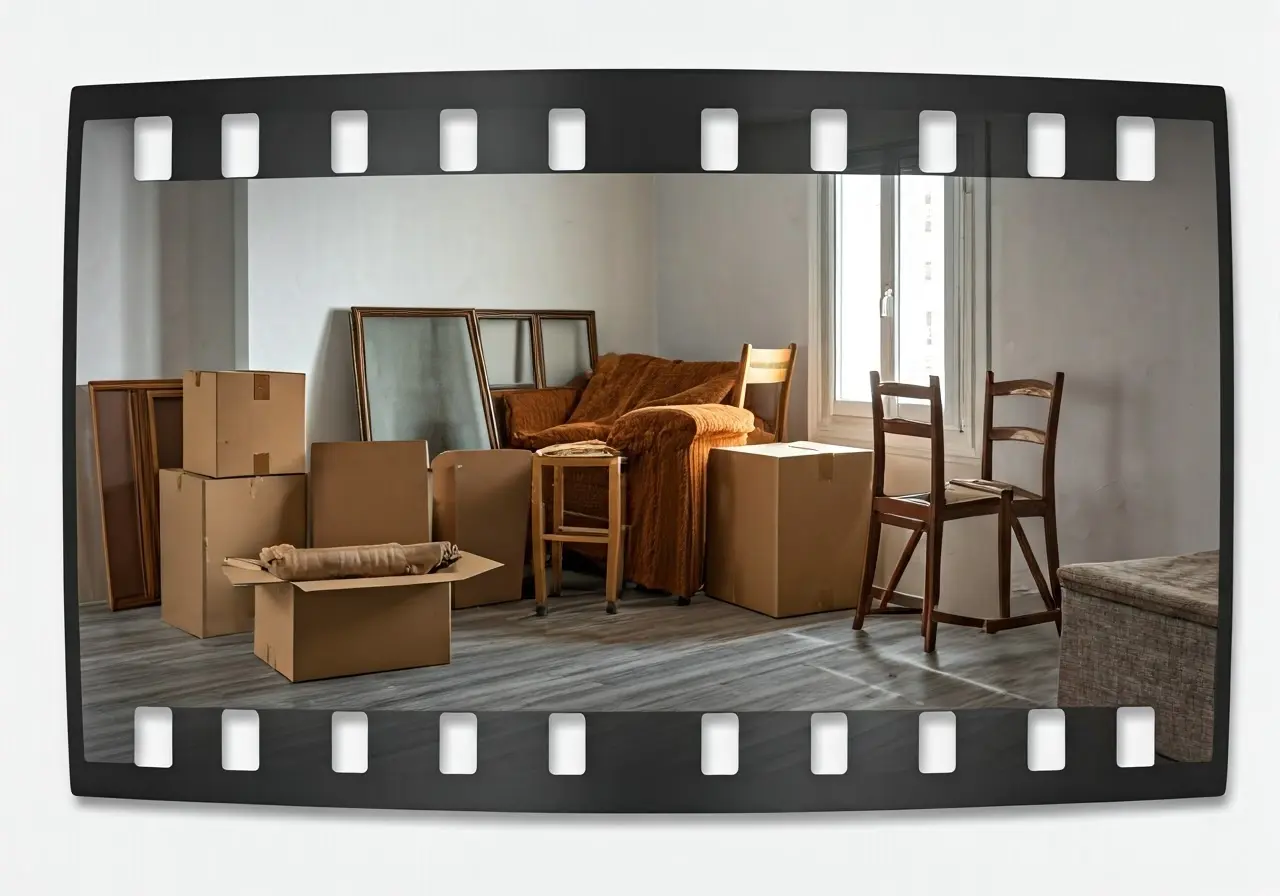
[925, 514]
[1024, 503]
[763, 366]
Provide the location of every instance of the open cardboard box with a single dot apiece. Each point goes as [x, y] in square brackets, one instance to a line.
[325, 629]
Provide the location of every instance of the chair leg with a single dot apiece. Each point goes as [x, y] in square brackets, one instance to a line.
[932, 584]
[907, 553]
[1051, 549]
[1003, 536]
[868, 572]
[539, 558]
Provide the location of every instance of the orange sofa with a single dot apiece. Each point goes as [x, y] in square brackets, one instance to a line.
[665, 416]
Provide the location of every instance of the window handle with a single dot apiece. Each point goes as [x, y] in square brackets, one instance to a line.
[886, 302]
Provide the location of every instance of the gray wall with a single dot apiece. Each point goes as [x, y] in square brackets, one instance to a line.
[156, 267]
[319, 246]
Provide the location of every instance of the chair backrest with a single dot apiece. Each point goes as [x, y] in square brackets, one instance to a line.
[1047, 438]
[933, 430]
[763, 366]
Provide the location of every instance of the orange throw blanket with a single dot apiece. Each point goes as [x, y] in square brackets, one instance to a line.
[622, 383]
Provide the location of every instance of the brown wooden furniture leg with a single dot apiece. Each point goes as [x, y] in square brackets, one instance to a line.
[933, 584]
[557, 528]
[613, 567]
[868, 573]
[1004, 526]
[539, 558]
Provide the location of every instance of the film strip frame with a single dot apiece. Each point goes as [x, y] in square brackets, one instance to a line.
[644, 122]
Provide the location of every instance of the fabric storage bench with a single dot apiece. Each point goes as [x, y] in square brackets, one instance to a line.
[1144, 633]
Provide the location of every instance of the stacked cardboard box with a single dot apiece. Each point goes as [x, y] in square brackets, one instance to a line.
[787, 526]
[242, 487]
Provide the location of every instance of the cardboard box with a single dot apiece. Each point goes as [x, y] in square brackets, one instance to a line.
[328, 629]
[243, 423]
[787, 526]
[370, 493]
[481, 504]
[203, 520]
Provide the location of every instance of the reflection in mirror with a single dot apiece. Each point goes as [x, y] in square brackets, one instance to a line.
[508, 351]
[568, 347]
[420, 375]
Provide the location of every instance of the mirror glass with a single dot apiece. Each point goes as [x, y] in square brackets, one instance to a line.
[508, 351]
[422, 381]
[566, 349]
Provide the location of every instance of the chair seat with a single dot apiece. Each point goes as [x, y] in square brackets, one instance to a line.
[959, 491]
[987, 485]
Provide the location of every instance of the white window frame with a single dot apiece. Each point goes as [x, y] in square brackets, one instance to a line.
[967, 327]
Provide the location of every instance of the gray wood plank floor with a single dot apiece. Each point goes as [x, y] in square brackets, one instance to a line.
[653, 655]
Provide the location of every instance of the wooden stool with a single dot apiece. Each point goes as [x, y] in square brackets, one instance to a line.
[560, 533]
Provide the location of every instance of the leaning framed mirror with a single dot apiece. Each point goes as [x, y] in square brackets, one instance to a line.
[420, 375]
[567, 342]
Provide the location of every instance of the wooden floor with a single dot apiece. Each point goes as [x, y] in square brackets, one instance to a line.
[652, 655]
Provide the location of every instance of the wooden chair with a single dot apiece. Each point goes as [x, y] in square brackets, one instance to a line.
[762, 366]
[926, 513]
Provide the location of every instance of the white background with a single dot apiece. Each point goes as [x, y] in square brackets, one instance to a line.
[52, 842]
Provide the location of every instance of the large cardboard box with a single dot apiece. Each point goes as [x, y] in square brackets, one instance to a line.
[203, 520]
[370, 493]
[328, 629]
[243, 423]
[787, 526]
[481, 504]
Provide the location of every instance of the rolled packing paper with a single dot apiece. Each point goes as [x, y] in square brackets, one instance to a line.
[357, 562]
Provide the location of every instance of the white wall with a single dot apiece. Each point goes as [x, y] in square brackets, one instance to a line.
[319, 246]
[1115, 284]
[155, 267]
[733, 267]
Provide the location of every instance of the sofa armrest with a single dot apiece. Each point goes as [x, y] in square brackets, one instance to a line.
[530, 411]
[673, 427]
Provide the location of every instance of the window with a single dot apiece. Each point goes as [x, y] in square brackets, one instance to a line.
[901, 294]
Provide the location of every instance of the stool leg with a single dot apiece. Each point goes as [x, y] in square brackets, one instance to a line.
[613, 565]
[539, 558]
[557, 524]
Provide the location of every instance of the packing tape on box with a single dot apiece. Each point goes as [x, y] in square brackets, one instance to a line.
[639, 760]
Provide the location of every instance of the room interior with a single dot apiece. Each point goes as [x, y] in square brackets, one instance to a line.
[559, 306]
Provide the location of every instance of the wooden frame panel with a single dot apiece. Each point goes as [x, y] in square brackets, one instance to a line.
[125, 449]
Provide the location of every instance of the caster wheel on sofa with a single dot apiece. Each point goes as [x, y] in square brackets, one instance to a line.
[684, 601]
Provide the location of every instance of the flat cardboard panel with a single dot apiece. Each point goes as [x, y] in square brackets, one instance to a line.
[481, 504]
[370, 493]
[787, 526]
[204, 520]
[181, 551]
[244, 423]
[332, 634]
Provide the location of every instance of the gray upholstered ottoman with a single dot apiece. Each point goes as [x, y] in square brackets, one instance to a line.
[1144, 633]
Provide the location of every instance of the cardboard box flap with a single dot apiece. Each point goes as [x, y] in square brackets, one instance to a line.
[465, 567]
[240, 576]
